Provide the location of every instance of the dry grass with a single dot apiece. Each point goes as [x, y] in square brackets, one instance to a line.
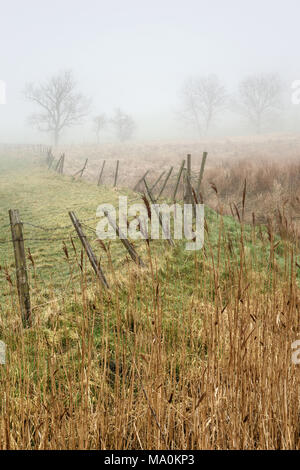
[270, 164]
[123, 371]
[190, 353]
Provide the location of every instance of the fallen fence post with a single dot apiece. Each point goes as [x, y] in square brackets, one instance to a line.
[116, 174]
[129, 247]
[101, 173]
[21, 270]
[93, 260]
[140, 180]
[178, 179]
[201, 171]
[165, 182]
[169, 239]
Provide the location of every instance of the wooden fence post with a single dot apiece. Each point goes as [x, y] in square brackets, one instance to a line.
[129, 247]
[201, 171]
[101, 173]
[157, 181]
[188, 196]
[178, 179]
[140, 180]
[51, 160]
[62, 162]
[93, 260]
[165, 182]
[21, 270]
[116, 174]
[83, 169]
[170, 240]
[58, 164]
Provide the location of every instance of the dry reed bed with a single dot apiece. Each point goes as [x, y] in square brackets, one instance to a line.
[142, 368]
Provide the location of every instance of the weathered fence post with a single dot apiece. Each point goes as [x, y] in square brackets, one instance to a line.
[189, 197]
[140, 180]
[93, 260]
[58, 164]
[51, 159]
[169, 239]
[201, 171]
[21, 270]
[178, 180]
[157, 181]
[83, 169]
[165, 182]
[62, 162]
[129, 247]
[101, 173]
[116, 174]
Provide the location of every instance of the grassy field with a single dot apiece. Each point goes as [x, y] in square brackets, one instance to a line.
[191, 352]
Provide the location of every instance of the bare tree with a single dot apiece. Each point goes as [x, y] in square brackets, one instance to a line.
[123, 124]
[203, 98]
[100, 123]
[61, 106]
[259, 99]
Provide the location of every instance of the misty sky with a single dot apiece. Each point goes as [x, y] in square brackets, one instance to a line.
[135, 54]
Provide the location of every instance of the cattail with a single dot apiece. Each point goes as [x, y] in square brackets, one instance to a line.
[214, 187]
[237, 212]
[65, 250]
[146, 202]
[244, 198]
[29, 256]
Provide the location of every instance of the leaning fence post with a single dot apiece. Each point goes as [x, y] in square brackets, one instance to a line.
[85, 165]
[188, 195]
[129, 247]
[58, 164]
[201, 171]
[62, 162]
[21, 270]
[93, 260]
[140, 180]
[101, 173]
[169, 239]
[116, 174]
[157, 181]
[178, 179]
[165, 182]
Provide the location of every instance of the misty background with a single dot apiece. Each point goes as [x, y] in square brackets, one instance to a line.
[136, 55]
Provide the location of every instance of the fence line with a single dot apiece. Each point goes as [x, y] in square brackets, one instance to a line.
[17, 224]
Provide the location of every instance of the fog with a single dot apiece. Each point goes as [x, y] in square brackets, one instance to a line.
[136, 55]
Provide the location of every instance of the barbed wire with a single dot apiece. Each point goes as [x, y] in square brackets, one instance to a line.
[47, 228]
[2, 242]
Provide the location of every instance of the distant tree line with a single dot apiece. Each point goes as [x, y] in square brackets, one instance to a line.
[59, 105]
[204, 99]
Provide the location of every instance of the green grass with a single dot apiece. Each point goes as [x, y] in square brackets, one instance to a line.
[44, 198]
